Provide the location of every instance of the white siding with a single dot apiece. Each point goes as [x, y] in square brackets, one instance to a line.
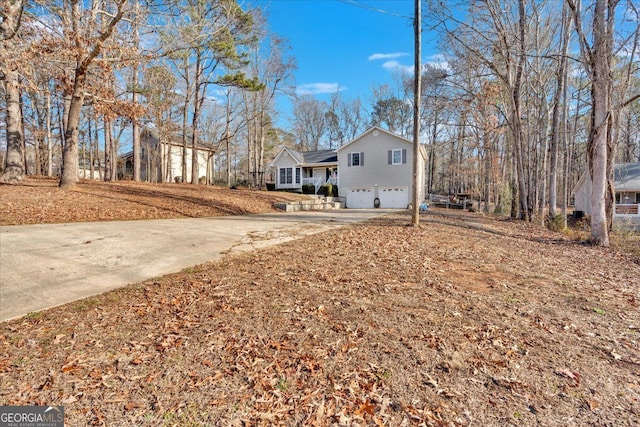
[176, 162]
[376, 172]
[285, 160]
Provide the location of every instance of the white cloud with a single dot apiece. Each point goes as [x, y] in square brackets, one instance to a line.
[397, 66]
[377, 56]
[392, 65]
[319, 88]
[437, 61]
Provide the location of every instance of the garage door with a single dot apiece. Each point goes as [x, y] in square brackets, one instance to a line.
[393, 197]
[360, 198]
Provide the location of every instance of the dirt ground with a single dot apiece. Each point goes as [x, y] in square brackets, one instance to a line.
[465, 320]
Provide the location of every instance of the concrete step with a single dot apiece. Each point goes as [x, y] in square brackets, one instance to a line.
[310, 205]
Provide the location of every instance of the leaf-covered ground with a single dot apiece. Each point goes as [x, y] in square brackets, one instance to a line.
[464, 320]
[40, 201]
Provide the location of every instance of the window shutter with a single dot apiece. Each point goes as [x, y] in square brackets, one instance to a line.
[390, 156]
[362, 158]
[283, 176]
[404, 156]
[349, 159]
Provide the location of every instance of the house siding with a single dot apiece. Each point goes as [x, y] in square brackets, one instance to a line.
[170, 173]
[156, 157]
[627, 188]
[377, 172]
[286, 161]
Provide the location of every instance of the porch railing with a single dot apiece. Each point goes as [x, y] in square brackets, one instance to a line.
[315, 181]
[627, 209]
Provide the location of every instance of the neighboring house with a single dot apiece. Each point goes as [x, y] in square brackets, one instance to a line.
[161, 160]
[627, 188]
[293, 169]
[376, 170]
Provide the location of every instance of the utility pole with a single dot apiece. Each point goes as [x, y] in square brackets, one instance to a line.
[415, 205]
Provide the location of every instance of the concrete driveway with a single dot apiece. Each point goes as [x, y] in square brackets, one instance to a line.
[42, 266]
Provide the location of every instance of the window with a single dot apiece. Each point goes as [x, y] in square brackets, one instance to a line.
[297, 175]
[286, 176]
[397, 156]
[356, 159]
[638, 198]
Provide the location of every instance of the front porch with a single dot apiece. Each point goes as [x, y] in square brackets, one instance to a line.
[318, 182]
[627, 216]
[626, 210]
[627, 205]
[295, 178]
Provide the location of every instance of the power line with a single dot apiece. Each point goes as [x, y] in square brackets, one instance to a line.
[373, 9]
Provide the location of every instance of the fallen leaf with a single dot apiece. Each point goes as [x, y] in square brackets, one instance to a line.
[366, 408]
[569, 374]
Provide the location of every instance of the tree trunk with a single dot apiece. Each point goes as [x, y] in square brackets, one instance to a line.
[14, 165]
[194, 137]
[183, 162]
[49, 136]
[227, 139]
[516, 118]
[415, 183]
[90, 139]
[558, 108]
[69, 176]
[137, 158]
[263, 132]
[600, 121]
[108, 152]
[197, 108]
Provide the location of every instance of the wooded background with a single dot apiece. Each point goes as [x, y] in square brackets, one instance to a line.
[507, 118]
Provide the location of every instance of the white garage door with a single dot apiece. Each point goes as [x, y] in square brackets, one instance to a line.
[360, 198]
[393, 197]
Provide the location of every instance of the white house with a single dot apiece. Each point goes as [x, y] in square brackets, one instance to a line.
[627, 190]
[161, 158]
[373, 170]
[376, 170]
[293, 169]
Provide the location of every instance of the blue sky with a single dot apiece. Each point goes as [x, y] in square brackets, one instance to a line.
[347, 45]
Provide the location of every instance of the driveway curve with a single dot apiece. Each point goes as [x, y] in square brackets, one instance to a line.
[42, 266]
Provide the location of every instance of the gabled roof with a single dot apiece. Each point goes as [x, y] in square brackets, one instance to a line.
[175, 138]
[309, 158]
[421, 148]
[293, 153]
[627, 177]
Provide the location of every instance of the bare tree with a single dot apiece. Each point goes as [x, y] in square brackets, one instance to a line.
[309, 121]
[87, 48]
[558, 109]
[597, 59]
